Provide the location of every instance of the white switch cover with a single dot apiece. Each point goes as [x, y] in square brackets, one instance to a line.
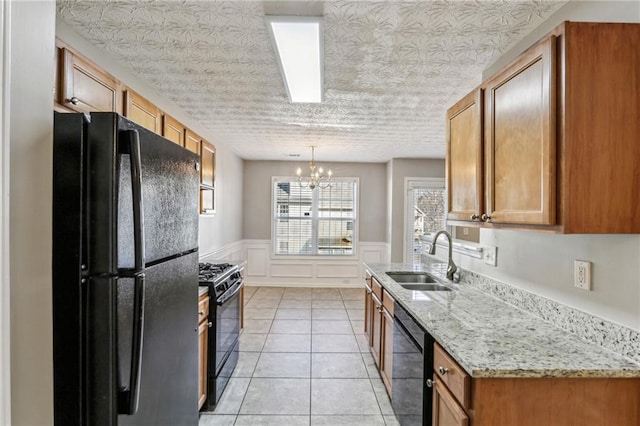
[582, 274]
[490, 255]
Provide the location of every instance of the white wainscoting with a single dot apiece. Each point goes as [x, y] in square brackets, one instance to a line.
[230, 252]
[266, 270]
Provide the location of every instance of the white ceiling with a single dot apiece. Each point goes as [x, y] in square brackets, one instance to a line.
[392, 68]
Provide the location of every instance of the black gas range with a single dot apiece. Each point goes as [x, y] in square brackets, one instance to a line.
[225, 283]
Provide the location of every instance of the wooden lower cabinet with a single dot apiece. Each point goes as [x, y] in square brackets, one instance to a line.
[203, 343]
[386, 363]
[446, 410]
[459, 400]
[378, 325]
[376, 329]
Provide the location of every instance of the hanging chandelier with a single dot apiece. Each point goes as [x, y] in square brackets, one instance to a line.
[316, 176]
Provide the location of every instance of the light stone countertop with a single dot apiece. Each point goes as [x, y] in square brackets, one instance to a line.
[490, 338]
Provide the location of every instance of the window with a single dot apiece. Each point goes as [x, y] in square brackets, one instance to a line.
[314, 222]
[425, 213]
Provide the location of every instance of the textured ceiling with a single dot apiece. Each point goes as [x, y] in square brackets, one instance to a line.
[391, 68]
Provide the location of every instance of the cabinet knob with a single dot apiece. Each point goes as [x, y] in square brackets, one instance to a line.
[485, 217]
[431, 383]
[209, 324]
[201, 313]
[475, 217]
[74, 100]
[443, 370]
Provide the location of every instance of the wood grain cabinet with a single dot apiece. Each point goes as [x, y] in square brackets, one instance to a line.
[83, 87]
[141, 111]
[203, 343]
[559, 127]
[207, 177]
[192, 141]
[459, 400]
[465, 172]
[173, 130]
[520, 136]
[379, 310]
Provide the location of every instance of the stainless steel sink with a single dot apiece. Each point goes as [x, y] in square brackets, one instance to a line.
[417, 281]
[411, 277]
[425, 287]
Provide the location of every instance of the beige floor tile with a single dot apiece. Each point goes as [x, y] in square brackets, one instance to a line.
[288, 343]
[291, 326]
[338, 366]
[272, 420]
[331, 327]
[284, 365]
[299, 313]
[277, 396]
[334, 343]
[343, 396]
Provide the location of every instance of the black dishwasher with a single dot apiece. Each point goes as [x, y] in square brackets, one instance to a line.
[411, 398]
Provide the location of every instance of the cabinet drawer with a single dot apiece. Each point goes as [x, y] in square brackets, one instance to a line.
[203, 308]
[448, 371]
[387, 302]
[376, 288]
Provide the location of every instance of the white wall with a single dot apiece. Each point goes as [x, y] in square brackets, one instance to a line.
[399, 168]
[543, 263]
[216, 231]
[31, 126]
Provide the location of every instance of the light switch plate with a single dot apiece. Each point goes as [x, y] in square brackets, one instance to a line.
[490, 255]
[582, 274]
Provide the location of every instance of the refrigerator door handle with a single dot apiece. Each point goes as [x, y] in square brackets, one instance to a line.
[129, 397]
[136, 192]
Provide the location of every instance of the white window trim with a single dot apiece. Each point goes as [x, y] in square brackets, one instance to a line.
[411, 183]
[356, 226]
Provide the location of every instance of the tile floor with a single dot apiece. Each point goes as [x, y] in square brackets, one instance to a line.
[304, 360]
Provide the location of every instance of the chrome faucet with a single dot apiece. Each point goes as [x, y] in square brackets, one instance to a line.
[451, 267]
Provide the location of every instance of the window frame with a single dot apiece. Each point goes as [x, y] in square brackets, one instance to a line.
[315, 220]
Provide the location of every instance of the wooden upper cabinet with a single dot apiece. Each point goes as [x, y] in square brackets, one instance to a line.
[208, 167]
[464, 158]
[600, 155]
[84, 87]
[192, 141]
[141, 111]
[520, 139]
[173, 130]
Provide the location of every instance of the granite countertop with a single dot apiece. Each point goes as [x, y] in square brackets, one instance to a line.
[490, 338]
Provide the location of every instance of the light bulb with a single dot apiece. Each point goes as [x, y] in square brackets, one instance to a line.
[299, 171]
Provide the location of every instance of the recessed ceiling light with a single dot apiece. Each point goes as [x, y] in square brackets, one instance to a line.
[298, 41]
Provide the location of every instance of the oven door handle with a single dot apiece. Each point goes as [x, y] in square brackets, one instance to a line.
[225, 298]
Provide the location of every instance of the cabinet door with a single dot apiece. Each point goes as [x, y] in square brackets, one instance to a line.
[446, 411]
[387, 349]
[368, 310]
[464, 158]
[141, 111]
[192, 141]
[85, 87]
[173, 130]
[520, 138]
[376, 329]
[203, 341]
[208, 164]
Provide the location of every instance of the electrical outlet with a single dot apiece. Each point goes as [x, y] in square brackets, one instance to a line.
[582, 274]
[490, 255]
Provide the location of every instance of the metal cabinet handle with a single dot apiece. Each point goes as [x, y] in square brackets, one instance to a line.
[431, 383]
[475, 217]
[201, 313]
[443, 370]
[485, 217]
[74, 100]
[209, 324]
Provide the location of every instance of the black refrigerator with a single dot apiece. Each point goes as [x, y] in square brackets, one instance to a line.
[125, 274]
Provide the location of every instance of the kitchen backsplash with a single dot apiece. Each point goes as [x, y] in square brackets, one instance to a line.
[611, 336]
